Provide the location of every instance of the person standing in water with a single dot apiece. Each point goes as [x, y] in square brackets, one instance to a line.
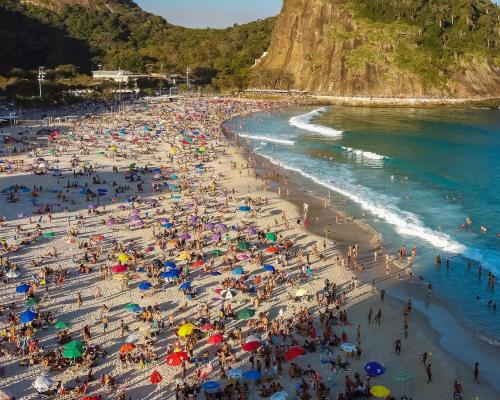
[476, 372]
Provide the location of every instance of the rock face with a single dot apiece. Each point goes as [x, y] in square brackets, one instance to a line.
[324, 47]
[57, 5]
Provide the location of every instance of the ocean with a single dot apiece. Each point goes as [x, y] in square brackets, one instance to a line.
[417, 176]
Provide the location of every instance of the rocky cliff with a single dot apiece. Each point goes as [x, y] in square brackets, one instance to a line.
[386, 48]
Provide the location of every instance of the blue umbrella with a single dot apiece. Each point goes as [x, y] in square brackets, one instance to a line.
[172, 273]
[269, 268]
[167, 225]
[169, 264]
[145, 285]
[252, 375]
[27, 316]
[185, 285]
[215, 273]
[245, 208]
[234, 373]
[374, 368]
[174, 177]
[211, 385]
[24, 288]
[237, 271]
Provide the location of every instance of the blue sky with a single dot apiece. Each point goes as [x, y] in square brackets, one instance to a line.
[213, 13]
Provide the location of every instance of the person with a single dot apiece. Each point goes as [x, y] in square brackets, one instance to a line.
[458, 391]
[382, 295]
[423, 357]
[378, 316]
[476, 372]
[370, 313]
[397, 346]
[429, 373]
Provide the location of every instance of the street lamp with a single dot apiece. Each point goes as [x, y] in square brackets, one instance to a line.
[188, 70]
[41, 78]
[120, 77]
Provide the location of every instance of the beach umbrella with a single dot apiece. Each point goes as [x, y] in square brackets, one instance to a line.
[170, 274]
[185, 285]
[186, 236]
[380, 391]
[169, 264]
[72, 352]
[184, 255]
[243, 246]
[145, 285]
[209, 226]
[131, 307]
[222, 227]
[155, 378]
[61, 325]
[245, 208]
[300, 292]
[271, 236]
[215, 339]
[27, 316]
[374, 368]
[234, 373]
[293, 352]
[251, 230]
[279, 396]
[348, 347]
[32, 301]
[197, 263]
[74, 344]
[23, 288]
[211, 386]
[215, 237]
[133, 338]
[252, 375]
[12, 274]
[175, 359]
[127, 348]
[123, 258]
[272, 249]
[202, 149]
[243, 256]
[207, 327]
[237, 271]
[185, 330]
[48, 234]
[227, 294]
[42, 384]
[251, 346]
[119, 269]
[269, 268]
[246, 313]
[217, 252]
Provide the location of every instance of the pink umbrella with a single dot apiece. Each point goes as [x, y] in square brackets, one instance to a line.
[119, 269]
[243, 256]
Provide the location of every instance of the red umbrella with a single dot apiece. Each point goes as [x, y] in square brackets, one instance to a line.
[119, 269]
[155, 378]
[207, 327]
[197, 264]
[214, 339]
[175, 359]
[272, 249]
[91, 398]
[251, 346]
[293, 352]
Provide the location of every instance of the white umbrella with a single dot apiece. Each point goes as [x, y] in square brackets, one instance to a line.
[133, 338]
[42, 383]
[11, 274]
[227, 294]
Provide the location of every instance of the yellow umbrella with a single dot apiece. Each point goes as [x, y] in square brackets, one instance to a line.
[185, 330]
[184, 255]
[120, 277]
[380, 391]
[123, 258]
[113, 148]
[173, 150]
[301, 292]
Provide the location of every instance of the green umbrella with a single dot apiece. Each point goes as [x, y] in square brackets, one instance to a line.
[101, 152]
[246, 313]
[32, 301]
[132, 165]
[75, 344]
[48, 234]
[131, 306]
[217, 252]
[51, 151]
[243, 246]
[61, 325]
[72, 352]
[271, 236]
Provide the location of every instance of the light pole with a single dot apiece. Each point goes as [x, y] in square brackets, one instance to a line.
[41, 78]
[120, 77]
[188, 70]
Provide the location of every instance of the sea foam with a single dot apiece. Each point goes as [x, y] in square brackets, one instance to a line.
[304, 122]
[267, 139]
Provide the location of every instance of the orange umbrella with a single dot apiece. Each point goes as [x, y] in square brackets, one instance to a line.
[175, 359]
[127, 347]
[97, 238]
[172, 242]
[197, 264]
[272, 249]
[155, 378]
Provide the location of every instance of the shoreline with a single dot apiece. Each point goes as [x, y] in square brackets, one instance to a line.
[300, 191]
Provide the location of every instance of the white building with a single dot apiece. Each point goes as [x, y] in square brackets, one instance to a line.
[117, 76]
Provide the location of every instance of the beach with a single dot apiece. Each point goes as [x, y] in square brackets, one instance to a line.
[168, 250]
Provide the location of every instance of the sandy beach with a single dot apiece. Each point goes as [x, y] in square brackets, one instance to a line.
[147, 255]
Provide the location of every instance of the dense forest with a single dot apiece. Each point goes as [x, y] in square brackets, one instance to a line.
[119, 34]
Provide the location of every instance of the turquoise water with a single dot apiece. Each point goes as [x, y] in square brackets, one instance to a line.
[416, 175]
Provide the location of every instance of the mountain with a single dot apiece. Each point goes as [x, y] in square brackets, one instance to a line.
[119, 34]
[385, 47]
